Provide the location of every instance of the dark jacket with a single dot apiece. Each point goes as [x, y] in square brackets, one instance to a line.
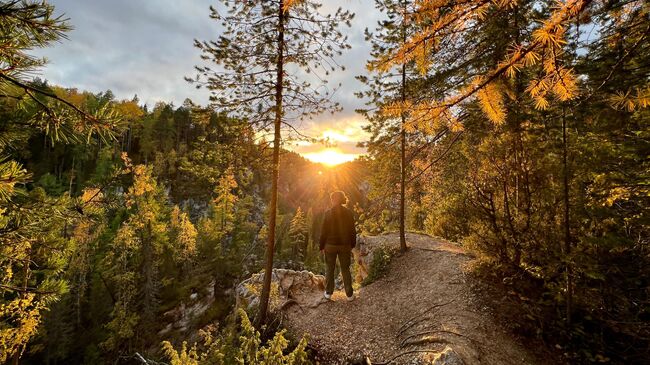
[338, 228]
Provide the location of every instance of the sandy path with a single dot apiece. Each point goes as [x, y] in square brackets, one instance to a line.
[424, 303]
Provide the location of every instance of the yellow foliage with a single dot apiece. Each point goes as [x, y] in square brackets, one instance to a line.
[183, 356]
[631, 101]
[129, 110]
[186, 234]
[91, 200]
[71, 95]
[561, 82]
[289, 3]
[505, 3]
[20, 318]
[396, 109]
[541, 103]
[421, 57]
[564, 85]
[615, 194]
[142, 182]
[445, 21]
[456, 126]
[491, 100]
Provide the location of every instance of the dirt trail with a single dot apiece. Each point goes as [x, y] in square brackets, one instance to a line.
[425, 302]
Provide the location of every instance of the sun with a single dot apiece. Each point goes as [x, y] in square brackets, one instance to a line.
[330, 156]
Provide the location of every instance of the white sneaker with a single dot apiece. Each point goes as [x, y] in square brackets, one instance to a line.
[327, 296]
[351, 298]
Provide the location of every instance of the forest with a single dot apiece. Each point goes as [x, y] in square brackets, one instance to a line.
[518, 129]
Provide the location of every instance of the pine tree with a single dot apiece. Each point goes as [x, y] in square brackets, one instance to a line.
[298, 235]
[384, 89]
[260, 43]
[33, 226]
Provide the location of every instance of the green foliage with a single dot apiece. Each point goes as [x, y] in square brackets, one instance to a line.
[246, 348]
[95, 248]
[121, 230]
[573, 225]
[298, 235]
[392, 145]
[35, 221]
[380, 264]
[134, 259]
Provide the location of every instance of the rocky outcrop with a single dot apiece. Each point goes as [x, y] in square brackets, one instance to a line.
[364, 253]
[180, 317]
[287, 287]
[303, 287]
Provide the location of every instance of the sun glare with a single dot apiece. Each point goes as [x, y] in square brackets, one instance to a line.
[330, 156]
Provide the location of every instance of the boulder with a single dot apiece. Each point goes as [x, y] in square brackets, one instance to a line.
[301, 287]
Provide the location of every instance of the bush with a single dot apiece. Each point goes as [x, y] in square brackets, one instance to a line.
[381, 258]
[243, 347]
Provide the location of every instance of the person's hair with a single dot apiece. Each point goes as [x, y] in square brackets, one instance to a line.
[339, 196]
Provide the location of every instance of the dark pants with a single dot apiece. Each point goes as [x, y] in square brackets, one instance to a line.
[331, 253]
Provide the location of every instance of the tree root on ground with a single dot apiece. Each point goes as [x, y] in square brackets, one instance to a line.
[404, 353]
[289, 302]
[404, 329]
[408, 323]
[430, 332]
[422, 341]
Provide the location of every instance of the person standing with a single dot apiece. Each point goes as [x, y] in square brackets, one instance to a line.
[337, 239]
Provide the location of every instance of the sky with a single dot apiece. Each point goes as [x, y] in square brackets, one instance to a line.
[145, 47]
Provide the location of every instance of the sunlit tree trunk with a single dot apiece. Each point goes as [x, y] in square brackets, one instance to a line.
[402, 185]
[277, 124]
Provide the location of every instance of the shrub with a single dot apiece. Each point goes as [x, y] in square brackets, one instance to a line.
[243, 348]
[381, 258]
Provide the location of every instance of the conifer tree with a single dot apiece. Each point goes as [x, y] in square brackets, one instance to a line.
[225, 200]
[298, 235]
[183, 235]
[530, 185]
[134, 262]
[33, 226]
[262, 47]
[389, 137]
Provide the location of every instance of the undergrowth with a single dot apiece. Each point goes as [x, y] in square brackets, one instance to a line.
[381, 258]
[240, 344]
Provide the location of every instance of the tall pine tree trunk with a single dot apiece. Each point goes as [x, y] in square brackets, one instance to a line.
[402, 172]
[270, 245]
[567, 230]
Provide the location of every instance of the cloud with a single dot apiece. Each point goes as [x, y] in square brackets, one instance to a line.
[146, 48]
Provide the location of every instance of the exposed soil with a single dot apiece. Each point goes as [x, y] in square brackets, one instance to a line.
[424, 303]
